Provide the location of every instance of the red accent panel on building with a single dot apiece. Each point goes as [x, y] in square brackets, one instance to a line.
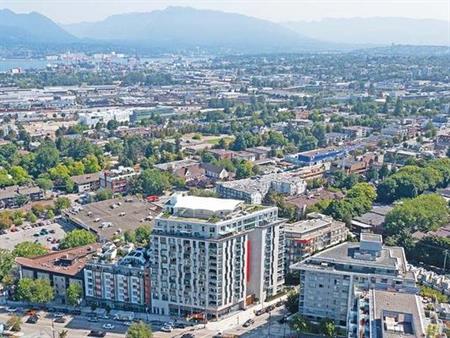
[248, 260]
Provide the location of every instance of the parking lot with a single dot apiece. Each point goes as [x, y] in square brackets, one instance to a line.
[48, 234]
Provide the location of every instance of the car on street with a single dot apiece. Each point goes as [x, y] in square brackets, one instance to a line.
[179, 325]
[259, 312]
[95, 333]
[93, 319]
[60, 320]
[279, 303]
[188, 335]
[108, 326]
[248, 323]
[32, 319]
[167, 328]
[270, 308]
[127, 323]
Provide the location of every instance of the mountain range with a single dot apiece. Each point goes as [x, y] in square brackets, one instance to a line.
[183, 28]
[30, 28]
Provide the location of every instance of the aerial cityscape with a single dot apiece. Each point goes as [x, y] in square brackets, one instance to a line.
[204, 169]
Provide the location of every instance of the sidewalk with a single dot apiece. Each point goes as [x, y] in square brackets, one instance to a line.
[240, 317]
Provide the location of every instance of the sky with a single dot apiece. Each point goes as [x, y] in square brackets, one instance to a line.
[71, 11]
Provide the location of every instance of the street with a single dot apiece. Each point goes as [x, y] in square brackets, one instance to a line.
[265, 325]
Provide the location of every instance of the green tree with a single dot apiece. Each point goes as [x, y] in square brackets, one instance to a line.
[5, 179]
[44, 183]
[50, 214]
[19, 175]
[74, 293]
[300, 324]
[91, 164]
[327, 327]
[239, 143]
[14, 323]
[75, 168]
[34, 291]
[6, 263]
[62, 203]
[21, 200]
[112, 125]
[29, 249]
[142, 235]
[432, 331]
[77, 237]
[31, 217]
[47, 156]
[244, 169]
[152, 182]
[424, 213]
[292, 302]
[103, 194]
[139, 330]
[5, 220]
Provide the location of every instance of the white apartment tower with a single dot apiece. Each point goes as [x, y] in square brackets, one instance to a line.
[210, 256]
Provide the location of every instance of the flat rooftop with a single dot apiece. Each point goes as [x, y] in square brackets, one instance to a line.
[397, 314]
[211, 204]
[67, 262]
[392, 258]
[107, 218]
[305, 226]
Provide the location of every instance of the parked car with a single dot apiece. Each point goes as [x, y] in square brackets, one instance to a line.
[279, 303]
[270, 308]
[167, 328]
[180, 326]
[32, 319]
[93, 319]
[248, 323]
[95, 333]
[108, 326]
[188, 335]
[260, 312]
[60, 320]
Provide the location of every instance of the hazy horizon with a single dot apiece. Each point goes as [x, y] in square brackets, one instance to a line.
[72, 11]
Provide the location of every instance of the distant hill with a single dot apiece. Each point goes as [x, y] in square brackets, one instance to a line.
[184, 27]
[378, 31]
[30, 28]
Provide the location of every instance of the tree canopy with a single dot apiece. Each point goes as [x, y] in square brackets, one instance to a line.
[139, 330]
[34, 290]
[77, 237]
[424, 213]
[29, 249]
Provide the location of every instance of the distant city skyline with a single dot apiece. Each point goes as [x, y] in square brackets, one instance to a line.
[72, 11]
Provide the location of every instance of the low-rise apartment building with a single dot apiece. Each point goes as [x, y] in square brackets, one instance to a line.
[122, 284]
[9, 196]
[253, 190]
[212, 256]
[86, 182]
[304, 238]
[60, 268]
[117, 179]
[332, 280]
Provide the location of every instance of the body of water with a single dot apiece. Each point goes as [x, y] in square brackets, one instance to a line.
[8, 64]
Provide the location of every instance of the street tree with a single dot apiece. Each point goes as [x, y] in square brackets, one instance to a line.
[139, 330]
